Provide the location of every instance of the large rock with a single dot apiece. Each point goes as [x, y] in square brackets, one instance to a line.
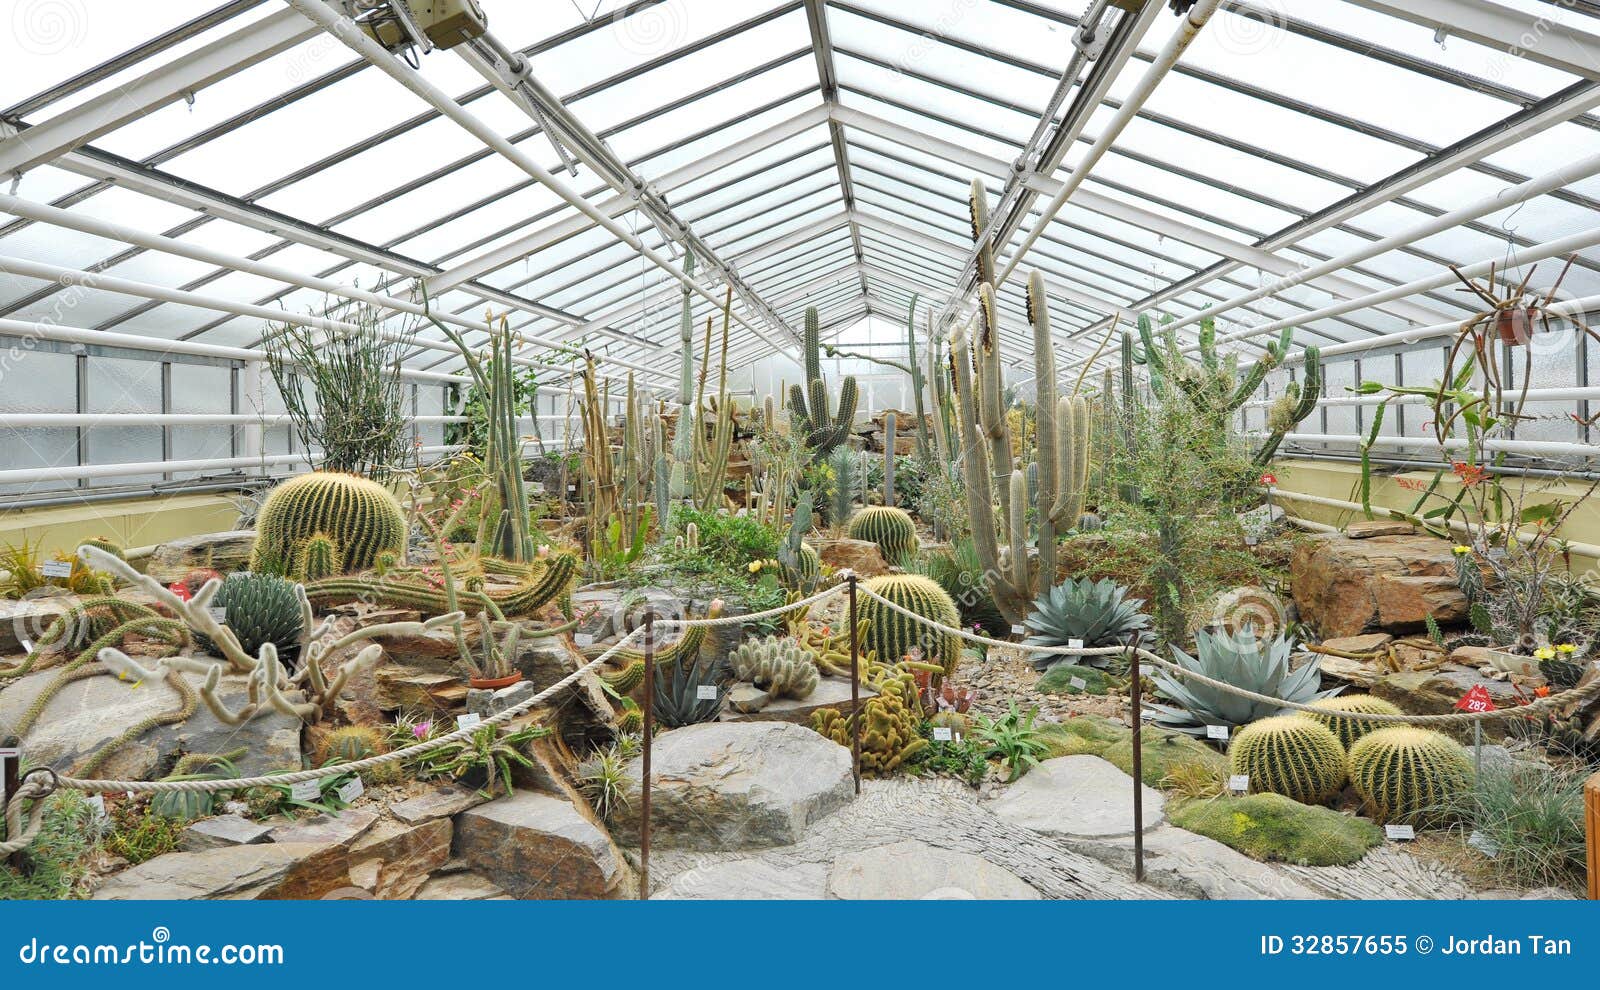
[445, 801]
[1435, 692]
[86, 714]
[24, 621]
[540, 847]
[222, 831]
[582, 711]
[1346, 586]
[343, 828]
[223, 552]
[748, 880]
[862, 556]
[1077, 797]
[268, 871]
[737, 785]
[830, 693]
[913, 870]
[394, 860]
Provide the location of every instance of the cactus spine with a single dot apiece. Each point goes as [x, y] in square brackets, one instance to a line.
[360, 517]
[823, 431]
[1331, 711]
[890, 528]
[894, 636]
[1408, 774]
[1292, 756]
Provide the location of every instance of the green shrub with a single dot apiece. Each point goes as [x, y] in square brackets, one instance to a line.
[1532, 818]
[59, 857]
[1162, 751]
[729, 540]
[1271, 827]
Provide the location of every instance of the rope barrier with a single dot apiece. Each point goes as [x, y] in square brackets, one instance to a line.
[734, 620]
[1579, 695]
[23, 829]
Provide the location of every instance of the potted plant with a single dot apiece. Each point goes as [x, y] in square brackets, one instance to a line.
[1515, 324]
[490, 669]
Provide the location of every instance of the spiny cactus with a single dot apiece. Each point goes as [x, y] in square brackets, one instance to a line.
[844, 467]
[350, 743]
[889, 726]
[260, 608]
[894, 636]
[891, 529]
[317, 558]
[889, 424]
[114, 549]
[630, 717]
[1407, 774]
[1291, 756]
[777, 665]
[1330, 714]
[823, 430]
[624, 681]
[361, 517]
[537, 586]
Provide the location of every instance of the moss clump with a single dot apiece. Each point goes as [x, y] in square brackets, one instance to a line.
[1164, 751]
[1085, 734]
[1271, 827]
[1058, 680]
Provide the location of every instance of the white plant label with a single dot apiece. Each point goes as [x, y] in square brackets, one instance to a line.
[1079, 683]
[305, 790]
[351, 790]
[943, 733]
[1018, 629]
[56, 568]
[1251, 541]
[537, 486]
[218, 613]
[1400, 833]
[97, 805]
[705, 692]
[1239, 783]
[1074, 644]
[468, 721]
[1217, 732]
[583, 639]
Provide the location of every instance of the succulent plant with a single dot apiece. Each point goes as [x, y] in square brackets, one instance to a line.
[808, 407]
[359, 516]
[624, 681]
[890, 528]
[1240, 659]
[1099, 613]
[894, 636]
[1291, 756]
[1350, 729]
[1406, 774]
[630, 717]
[777, 665]
[350, 743]
[889, 725]
[317, 558]
[678, 680]
[260, 608]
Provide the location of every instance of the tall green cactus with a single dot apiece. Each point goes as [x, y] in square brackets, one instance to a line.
[889, 438]
[683, 438]
[893, 636]
[823, 430]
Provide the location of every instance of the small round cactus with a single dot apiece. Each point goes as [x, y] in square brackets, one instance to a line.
[777, 664]
[1291, 756]
[350, 743]
[317, 558]
[1330, 712]
[890, 528]
[1407, 774]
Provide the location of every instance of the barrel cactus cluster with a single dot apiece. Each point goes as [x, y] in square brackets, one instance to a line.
[890, 528]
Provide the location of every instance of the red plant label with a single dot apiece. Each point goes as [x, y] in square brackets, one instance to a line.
[1476, 700]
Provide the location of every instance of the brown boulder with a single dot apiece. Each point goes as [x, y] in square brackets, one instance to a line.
[223, 552]
[270, 871]
[394, 860]
[1345, 587]
[861, 556]
[1435, 692]
[540, 847]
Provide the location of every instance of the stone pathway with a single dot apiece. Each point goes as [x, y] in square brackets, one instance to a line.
[1387, 873]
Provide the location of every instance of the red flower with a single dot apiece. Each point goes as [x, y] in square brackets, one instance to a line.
[1470, 474]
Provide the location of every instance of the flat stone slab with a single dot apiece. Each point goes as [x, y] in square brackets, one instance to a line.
[539, 847]
[830, 693]
[229, 551]
[748, 880]
[441, 802]
[737, 785]
[1077, 796]
[221, 831]
[1192, 865]
[339, 829]
[264, 871]
[913, 870]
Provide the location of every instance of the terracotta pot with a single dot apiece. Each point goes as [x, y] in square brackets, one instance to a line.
[1515, 325]
[494, 683]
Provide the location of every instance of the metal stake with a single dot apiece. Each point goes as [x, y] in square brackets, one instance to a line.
[649, 734]
[855, 689]
[1138, 771]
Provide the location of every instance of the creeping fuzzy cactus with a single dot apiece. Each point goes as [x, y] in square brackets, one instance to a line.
[891, 529]
[890, 726]
[777, 665]
[1292, 756]
[1407, 774]
[360, 517]
[537, 584]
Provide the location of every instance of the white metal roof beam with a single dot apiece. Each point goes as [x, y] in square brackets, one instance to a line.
[165, 84]
[827, 77]
[1518, 33]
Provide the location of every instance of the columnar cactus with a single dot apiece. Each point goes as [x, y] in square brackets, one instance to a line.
[361, 517]
[1407, 774]
[1332, 714]
[777, 665]
[1291, 756]
[894, 636]
[317, 558]
[891, 529]
[823, 430]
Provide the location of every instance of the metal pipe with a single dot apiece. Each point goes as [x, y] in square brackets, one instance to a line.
[1198, 15]
[1527, 448]
[1135, 702]
[85, 471]
[855, 688]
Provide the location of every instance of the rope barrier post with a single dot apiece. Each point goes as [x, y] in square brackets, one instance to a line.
[1138, 766]
[855, 688]
[1591, 820]
[10, 765]
[649, 735]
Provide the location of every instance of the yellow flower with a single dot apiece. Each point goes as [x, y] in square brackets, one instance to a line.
[1544, 653]
[755, 565]
[1461, 551]
[1566, 648]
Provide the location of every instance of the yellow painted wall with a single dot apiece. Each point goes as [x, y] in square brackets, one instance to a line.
[132, 522]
